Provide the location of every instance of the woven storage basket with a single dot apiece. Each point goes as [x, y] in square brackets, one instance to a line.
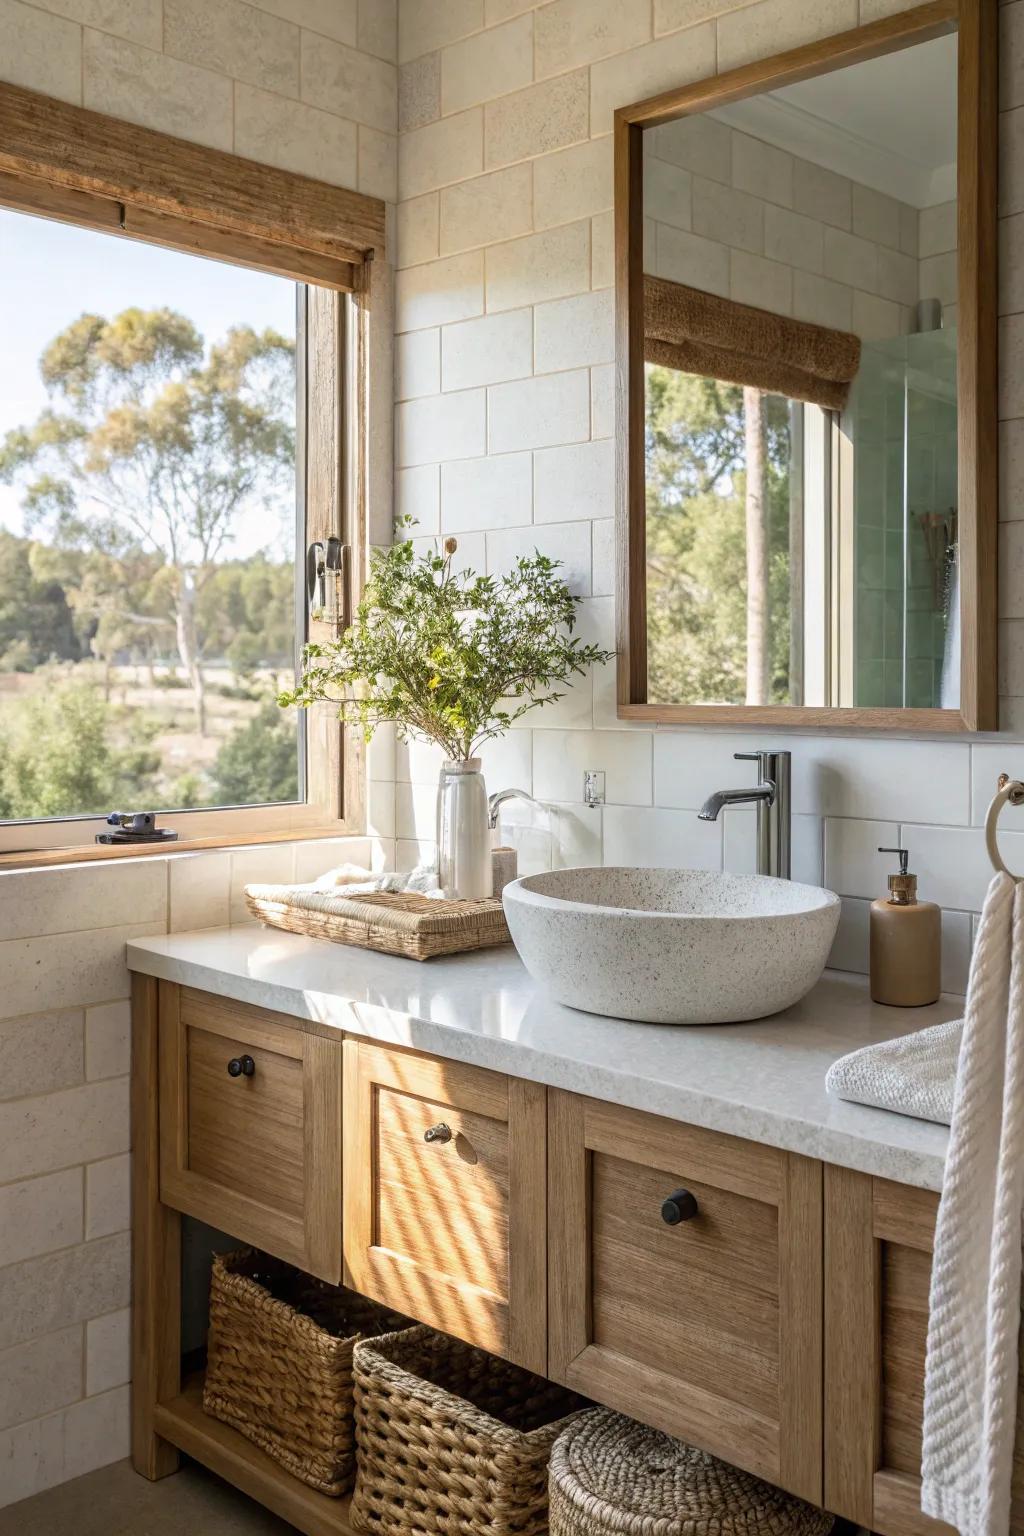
[611, 1476]
[451, 1439]
[394, 922]
[279, 1364]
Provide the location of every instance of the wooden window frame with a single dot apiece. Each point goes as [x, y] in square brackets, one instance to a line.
[976, 22]
[76, 166]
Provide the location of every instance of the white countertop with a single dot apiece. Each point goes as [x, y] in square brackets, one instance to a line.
[764, 1081]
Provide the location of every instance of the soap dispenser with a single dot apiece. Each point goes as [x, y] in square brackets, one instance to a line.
[906, 942]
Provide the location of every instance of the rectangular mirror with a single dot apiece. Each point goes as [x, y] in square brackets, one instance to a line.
[806, 350]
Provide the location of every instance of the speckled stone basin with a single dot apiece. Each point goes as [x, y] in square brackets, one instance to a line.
[671, 946]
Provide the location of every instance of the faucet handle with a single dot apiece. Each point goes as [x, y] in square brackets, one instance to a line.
[748, 757]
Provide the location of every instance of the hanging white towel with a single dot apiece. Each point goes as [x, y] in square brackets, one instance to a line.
[970, 1394]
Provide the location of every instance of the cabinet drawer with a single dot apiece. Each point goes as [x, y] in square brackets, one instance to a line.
[250, 1118]
[708, 1327]
[450, 1228]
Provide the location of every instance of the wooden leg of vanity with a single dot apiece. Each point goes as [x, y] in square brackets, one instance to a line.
[156, 1250]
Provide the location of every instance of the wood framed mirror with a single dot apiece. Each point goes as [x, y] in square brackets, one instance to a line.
[806, 334]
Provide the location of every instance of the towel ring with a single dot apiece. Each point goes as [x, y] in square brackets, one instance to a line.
[1011, 790]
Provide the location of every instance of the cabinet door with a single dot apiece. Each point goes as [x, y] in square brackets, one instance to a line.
[250, 1126]
[878, 1259]
[444, 1196]
[684, 1284]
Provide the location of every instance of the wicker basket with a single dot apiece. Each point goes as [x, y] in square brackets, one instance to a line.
[279, 1366]
[613, 1477]
[451, 1439]
[396, 923]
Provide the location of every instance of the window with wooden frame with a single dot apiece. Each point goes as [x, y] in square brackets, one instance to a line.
[182, 482]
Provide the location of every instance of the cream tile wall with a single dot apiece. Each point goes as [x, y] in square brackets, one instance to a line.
[310, 86]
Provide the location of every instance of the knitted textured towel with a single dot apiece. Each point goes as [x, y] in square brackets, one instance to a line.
[913, 1074]
[970, 1390]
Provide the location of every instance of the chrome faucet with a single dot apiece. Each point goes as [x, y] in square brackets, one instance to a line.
[771, 795]
[496, 801]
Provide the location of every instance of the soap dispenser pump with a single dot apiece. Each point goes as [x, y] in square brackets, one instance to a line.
[906, 942]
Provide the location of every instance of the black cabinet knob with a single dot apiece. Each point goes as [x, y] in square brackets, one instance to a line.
[680, 1206]
[241, 1066]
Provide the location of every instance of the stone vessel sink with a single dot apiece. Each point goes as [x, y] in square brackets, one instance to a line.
[671, 946]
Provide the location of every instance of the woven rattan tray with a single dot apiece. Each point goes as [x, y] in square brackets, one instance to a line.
[397, 923]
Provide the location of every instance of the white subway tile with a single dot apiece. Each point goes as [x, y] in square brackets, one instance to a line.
[82, 968]
[850, 946]
[952, 863]
[440, 153]
[487, 65]
[987, 763]
[418, 761]
[957, 943]
[157, 91]
[538, 413]
[416, 812]
[417, 364]
[380, 810]
[482, 494]
[418, 495]
[660, 839]
[485, 209]
[775, 25]
[853, 865]
[537, 120]
[739, 845]
[561, 757]
[349, 84]
[418, 230]
[108, 1351]
[574, 32]
[575, 332]
[108, 1040]
[490, 350]
[41, 1053]
[40, 52]
[40, 1376]
[422, 28]
[602, 401]
[470, 555]
[108, 1196]
[548, 265]
[273, 864]
[57, 1290]
[200, 885]
[41, 1215]
[574, 482]
[294, 136]
[572, 183]
[603, 555]
[234, 39]
[645, 71]
[440, 291]
[443, 427]
[34, 902]
[508, 762]
[566, 543]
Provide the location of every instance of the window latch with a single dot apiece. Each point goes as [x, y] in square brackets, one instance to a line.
[327, 583]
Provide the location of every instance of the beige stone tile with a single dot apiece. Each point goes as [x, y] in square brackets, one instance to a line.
[501, 10]
[821, 194]
[38, 1377]
[108, 1196]
[140, 21]
[199, 888]
[685, 258]
[108, 1045]
[603, 554]
[574, 32]
[875, 10]
[574, 482]
[378, 28]
[572, 183]
[762, 170]
[1011, 470]
[82, 968]
[548, 265]
[760, 30]
[480, 495]
[41, 1215]
[56, 1290]
[485, 209]
[422, 28]
[40, 52]
[419, 92]
[440, 153]
[765, 284]
[794, 239]
[670, 15]
[96, 1432]
[272, 864]
[876, 319]
[539, 413]
[821, 301]
[537, 120]
[697, 143]
[108, 1351]
[349, 84]
[668, 193]
[55, 901]
[937, 279]
[417, 364]
[41, 1053]
[568, 543]
[378, 163]
[31, 1460]
[157, 91]
[1011, 56]
[54, 1130]
[234, 39]
[937, 230]
[418, 224]
[733, 218]
[444, 427]
[490, 350]
[602, 251]
[602, 401]
[331, 18]
[294, 136]
[673, 60]
[1011, 161]
[487, 65]
[439, 292]
[898, 275]
[876, 217]
[1011, 368]
[577, 332]
[909, 227]
[848, 259]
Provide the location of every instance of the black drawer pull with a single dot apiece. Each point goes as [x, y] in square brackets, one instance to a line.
[440, 1133]
[680, 1206]
[241, 1066]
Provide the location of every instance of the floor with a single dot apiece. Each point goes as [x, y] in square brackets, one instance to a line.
[117, 1502]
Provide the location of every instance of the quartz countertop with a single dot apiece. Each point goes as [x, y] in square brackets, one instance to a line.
[764, 1081]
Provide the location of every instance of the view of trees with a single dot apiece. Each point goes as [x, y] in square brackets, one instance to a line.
[706, 641]
[139, 650]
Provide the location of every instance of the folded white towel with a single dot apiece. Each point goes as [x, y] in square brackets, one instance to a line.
[970, 1392]
[913, 1074]
[351, 880]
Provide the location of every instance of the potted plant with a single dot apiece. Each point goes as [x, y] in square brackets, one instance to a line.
[456, 658]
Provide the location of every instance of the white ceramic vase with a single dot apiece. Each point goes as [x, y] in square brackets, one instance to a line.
[463, 836]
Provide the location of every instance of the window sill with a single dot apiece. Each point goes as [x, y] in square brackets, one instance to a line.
[85, 853]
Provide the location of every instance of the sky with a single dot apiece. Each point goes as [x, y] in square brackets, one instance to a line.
[51, 273]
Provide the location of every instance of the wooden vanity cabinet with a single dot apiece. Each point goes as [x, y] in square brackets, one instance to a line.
[250, 1126]
[685, 1273]
[444, 1184]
